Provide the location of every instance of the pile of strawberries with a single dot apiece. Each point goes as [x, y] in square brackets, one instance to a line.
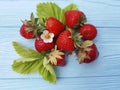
[54, 39]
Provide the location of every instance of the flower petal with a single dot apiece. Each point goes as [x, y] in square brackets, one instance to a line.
[50, 40]
[43, 36]
[46, 40]
[51, 34]
[45, 32]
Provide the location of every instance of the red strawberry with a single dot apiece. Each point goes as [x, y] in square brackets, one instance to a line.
[40, 45]
[54, 26]
[24, 32]
[93, 54]
[57, 58]
[88, 52]
[30, 28]
[88, 32]
[65, 42]
[61, 61]
[74, 18]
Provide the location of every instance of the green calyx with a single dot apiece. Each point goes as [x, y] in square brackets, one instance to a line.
[81, 22]
[77, 39]
[33, 25]
[54, 55]
[84, 47]
[86, 44]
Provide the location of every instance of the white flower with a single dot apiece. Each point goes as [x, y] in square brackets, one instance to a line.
[47, 37]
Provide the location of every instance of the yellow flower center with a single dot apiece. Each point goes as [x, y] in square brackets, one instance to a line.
[47, 36]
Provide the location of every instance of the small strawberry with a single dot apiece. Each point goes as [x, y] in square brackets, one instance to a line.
[87, 52]
[57, 58]
[44, 42]
[54, 26]
[24, 32]
[74, 18]
[30, 28]
[88, 32]
[65, 42]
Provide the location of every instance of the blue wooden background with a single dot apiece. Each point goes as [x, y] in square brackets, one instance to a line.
[102, 74]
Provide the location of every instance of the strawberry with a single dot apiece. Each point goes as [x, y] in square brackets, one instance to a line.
[74, 18]
[57, 58]
[88, 52]
[41, 46]
[65, 42]
[88, 31]
[61, 61]
[30, 28]
[25, 33]
[54, 26]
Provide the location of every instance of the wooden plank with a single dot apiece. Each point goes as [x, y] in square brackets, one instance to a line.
[94, 11]
[107, 41]
[87, 83]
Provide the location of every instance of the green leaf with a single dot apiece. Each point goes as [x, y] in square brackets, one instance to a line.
[47, 71]
[26, 52]
[26, 66]
[26, 60]
[48, 66]
[70, 7]
[32, 61]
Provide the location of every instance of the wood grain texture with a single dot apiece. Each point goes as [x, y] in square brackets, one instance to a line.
[87, 83]
[94, 10]
[104, 73]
